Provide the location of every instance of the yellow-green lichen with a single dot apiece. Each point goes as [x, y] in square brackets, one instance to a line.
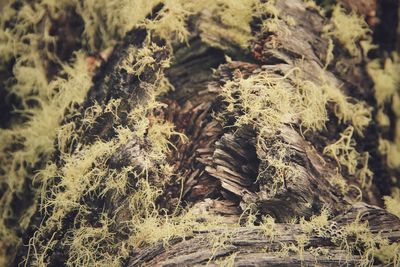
[392, 203]
[345, 154]
[386, 78]
[349, 29]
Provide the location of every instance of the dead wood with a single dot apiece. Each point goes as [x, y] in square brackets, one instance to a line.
[219, 163]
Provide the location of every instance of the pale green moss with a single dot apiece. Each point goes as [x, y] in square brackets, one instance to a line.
[218, 241]
[354, 237]
[386, 78]
[392, 203]
[265, 100]
[345, 154]
[268, 227]
[349, 29]
[392, 152]
[338, 181]
[268, 103]
[382, 118]
[317, 224]
[37, 135]
[357, 114]
[329, 53]
[88, 245]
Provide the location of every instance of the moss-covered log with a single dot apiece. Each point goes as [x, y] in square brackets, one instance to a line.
[245, 145]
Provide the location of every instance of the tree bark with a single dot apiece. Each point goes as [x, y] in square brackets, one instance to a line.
[251, 248]
[220, 165]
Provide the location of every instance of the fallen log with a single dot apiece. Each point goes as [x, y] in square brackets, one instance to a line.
[270, 181]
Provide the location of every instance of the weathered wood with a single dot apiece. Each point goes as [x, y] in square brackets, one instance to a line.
[219, 166]
[250, 247]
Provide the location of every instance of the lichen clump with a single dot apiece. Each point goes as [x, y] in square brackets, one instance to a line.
[36, 136]
[392, 203]
[386, 78]
[268, 102]
[387, 94]
[344, 152]
[352, 237]
[349, 29]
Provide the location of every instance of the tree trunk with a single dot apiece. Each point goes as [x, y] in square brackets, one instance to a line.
[221, 165]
